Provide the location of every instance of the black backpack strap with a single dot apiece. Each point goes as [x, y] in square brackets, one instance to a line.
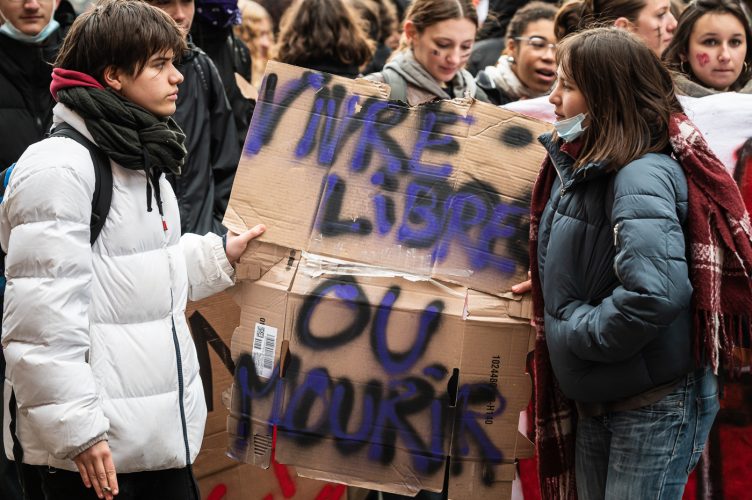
[100, 203]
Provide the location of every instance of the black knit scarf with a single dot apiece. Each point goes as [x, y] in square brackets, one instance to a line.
[129, 134]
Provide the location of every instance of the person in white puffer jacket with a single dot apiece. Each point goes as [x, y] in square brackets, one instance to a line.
[99, 357]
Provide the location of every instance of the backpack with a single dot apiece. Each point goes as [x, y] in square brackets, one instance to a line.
[100, 208]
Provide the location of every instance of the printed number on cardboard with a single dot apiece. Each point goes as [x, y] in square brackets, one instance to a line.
[264, 340]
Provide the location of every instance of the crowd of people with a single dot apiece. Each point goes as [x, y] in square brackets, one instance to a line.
[641, 246]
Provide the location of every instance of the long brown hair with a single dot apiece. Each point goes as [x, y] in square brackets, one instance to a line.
[679, 45]
[322, 29]
[124, 34]
[629, 94]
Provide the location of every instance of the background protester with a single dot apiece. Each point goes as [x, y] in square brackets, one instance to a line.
[29, 41]
[710, 52]
[618, 303]
[276, 9]
[528, 66]
[203, 114]
[212, 31]
[381, 19]
[439, 36]
[324, 35]
[490, 40]
[651, 20]
[257, 31]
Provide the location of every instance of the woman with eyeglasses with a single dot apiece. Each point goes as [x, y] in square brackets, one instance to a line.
[438, 37]
[527, 67]
[710, 52]
[651, 20]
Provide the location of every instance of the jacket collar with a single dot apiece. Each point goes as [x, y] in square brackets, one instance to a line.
[563, 156]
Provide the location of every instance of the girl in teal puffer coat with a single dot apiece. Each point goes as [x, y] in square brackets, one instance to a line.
[641, 254]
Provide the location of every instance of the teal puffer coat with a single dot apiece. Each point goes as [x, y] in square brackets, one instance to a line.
[614, 273]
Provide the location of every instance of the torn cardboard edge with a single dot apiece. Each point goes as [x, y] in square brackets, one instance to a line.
[282, 181]
[281, 278]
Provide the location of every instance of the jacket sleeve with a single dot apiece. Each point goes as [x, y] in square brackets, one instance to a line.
[45, 229]
[225, 146]
[650, 264]
[208, 269]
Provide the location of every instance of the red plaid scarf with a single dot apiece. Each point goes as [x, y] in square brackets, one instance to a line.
[720, 243]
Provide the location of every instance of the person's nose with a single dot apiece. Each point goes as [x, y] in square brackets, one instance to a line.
[455, 56]
[671, 23]
[176, 77]
[32, 5]
[725, 54]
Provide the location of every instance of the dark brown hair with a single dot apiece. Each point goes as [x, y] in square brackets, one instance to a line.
[629, 94]
[322, 29]
[534, 11]
[425, 13]
[583, 14]
[124, 34]
[679, 45]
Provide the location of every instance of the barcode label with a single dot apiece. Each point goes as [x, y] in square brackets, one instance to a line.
[264, 342]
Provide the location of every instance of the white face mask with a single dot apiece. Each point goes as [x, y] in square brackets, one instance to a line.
[571, 128]
[12, 32]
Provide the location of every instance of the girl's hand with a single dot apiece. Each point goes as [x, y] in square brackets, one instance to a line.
[523, 287]
[236, 243]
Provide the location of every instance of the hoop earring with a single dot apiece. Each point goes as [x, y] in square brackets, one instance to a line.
[746, 66]
[682, 68]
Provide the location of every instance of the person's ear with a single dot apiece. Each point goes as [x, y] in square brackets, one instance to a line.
[511, 47]
[113, 78]
[623, 24]
[410, 30]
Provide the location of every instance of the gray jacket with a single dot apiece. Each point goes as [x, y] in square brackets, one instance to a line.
[614, 273]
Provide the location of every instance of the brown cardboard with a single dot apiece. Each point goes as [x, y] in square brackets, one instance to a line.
[378, 340]
[246, 482]
[476, 334]
[477, 161]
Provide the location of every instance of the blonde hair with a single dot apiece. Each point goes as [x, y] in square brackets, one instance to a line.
[253, 15]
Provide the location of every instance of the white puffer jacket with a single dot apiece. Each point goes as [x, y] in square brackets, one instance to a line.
[95, 337]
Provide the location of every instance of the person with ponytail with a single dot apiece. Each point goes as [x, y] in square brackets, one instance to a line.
[641, 252]
[437, 39]
[651, 20]
[102, 371]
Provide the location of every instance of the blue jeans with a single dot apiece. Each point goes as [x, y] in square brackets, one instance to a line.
[649, 452]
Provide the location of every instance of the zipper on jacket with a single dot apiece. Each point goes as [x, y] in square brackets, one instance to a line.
[616, 255]
[181, 386]
[562, 190]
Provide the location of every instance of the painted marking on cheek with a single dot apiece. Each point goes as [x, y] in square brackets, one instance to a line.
[702, 59]
[435, 52]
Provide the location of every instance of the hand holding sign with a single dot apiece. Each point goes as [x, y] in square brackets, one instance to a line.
[236, 243]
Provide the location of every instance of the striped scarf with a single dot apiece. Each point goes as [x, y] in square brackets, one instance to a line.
[720, 245]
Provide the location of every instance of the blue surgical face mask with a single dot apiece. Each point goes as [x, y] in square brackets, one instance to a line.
[12, 32]
[571, 128]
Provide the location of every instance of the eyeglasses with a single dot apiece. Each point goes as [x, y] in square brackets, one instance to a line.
[537, 43]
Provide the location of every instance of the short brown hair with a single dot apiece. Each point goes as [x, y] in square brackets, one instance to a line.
[629, 94]
[322, 29]
[679, 45]
[124, 34]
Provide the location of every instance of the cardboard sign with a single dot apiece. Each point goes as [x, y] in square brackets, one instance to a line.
[442, 190]
[376, 338]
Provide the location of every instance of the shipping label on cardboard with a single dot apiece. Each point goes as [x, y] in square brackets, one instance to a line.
[441, 190]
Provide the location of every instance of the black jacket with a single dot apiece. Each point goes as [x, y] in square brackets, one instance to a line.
[230, 56]
[203, 112]
[25, 99]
